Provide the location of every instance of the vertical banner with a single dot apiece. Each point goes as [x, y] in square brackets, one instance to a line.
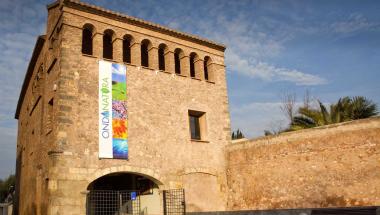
[113, 117]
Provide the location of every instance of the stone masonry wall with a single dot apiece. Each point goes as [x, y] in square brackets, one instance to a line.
[332, 166]
[158, 103]
[57, 148]
[36, 126]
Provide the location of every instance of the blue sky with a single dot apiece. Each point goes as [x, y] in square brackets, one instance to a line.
[329, 47]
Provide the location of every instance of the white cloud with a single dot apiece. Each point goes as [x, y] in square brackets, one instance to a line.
[174, 24]
[355, 22]
[249, 48]
[261, 106]
[297, 77]
[255, 117]
[269, 72]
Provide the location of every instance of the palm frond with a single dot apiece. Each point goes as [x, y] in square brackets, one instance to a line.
[302, 122]
[345, 109]
[325, 114]
[362, 108]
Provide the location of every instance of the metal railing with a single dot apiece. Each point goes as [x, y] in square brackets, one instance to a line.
[174, 202]
[123, 202]
[113, 202]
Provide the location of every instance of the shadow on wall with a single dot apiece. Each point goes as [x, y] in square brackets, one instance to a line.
[319, 211]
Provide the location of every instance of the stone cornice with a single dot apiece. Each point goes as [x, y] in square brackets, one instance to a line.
[141, 23]
[29, 73]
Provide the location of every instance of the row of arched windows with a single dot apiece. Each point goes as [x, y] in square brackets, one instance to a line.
[195, 63]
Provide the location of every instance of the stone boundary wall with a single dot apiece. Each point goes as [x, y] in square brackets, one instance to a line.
[330, 166]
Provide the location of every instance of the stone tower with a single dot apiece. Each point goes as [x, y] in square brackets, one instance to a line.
[176, 118]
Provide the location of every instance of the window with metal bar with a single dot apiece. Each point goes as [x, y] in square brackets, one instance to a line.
[197, 123]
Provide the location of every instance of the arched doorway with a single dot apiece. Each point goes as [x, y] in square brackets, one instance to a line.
[123, 193]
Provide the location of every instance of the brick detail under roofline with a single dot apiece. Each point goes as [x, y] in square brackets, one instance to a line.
[139, 22]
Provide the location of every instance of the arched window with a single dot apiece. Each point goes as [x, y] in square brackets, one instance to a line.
[206, 62]
[193, 57]
[161, 56]
[145, 45]
[127, 42]
[178, 54]
[87, 39]
[107, 44]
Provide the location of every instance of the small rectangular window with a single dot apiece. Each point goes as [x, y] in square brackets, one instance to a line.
[194, 128]
[197, 121]
[52, 65]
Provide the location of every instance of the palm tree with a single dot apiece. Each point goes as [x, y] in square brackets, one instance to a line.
[359, 108]
[344, 110]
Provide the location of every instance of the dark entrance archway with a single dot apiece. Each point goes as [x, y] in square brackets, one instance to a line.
[123, 193]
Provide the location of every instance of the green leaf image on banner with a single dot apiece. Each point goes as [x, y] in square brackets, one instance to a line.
[119, 91]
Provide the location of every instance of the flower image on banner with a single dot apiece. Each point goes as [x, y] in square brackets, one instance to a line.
[119, 128]
[119, 110]
[113, 112]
